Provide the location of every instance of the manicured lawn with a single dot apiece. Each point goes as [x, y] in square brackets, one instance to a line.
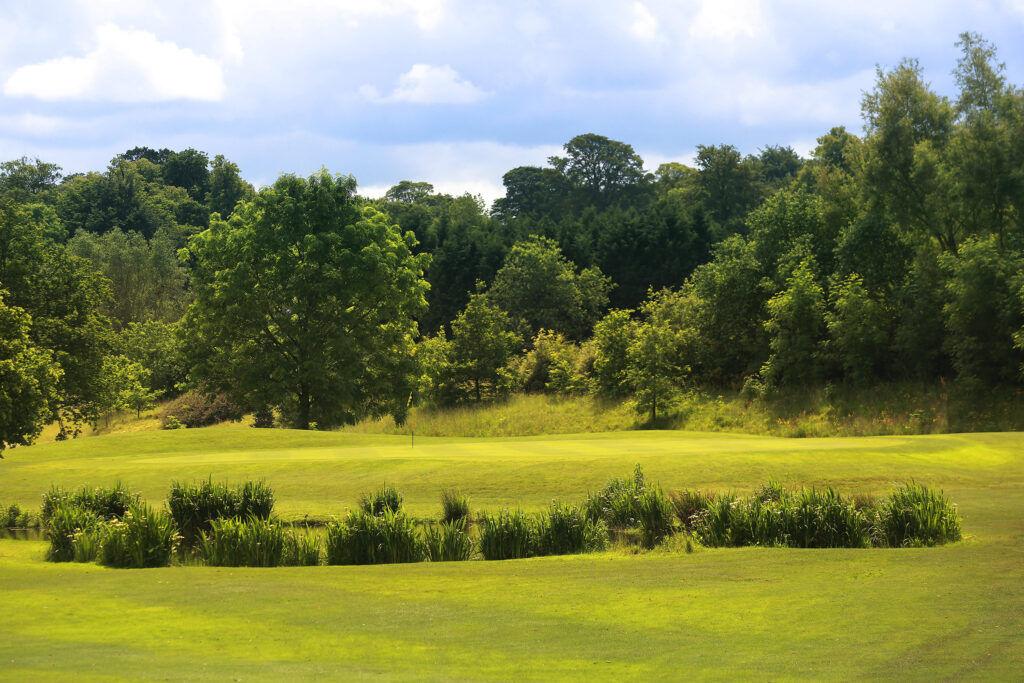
[952, 612]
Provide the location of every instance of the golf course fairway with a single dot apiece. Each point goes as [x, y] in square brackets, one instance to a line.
[950, 612]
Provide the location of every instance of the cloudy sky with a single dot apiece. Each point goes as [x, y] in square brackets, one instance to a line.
[456, 92]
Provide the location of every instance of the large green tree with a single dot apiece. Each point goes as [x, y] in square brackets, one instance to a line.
[305, 300]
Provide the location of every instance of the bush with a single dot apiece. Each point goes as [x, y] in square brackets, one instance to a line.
[107, 503]
[142, 538]
[653, 514]
[195, 506]
[196, 409]
[916, 515]
[615, 504]
[506, 535]
[566, 529]
[690, 505]
[448, 541]
[249, 542]
[385, 499]
[67, 522]
[823, 519]
[366, 538]
[454, 506]
[301, 550]
[13, 516]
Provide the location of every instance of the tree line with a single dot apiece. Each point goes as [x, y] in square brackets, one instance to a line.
[896, 254]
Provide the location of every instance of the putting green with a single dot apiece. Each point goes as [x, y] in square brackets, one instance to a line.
[950, 612]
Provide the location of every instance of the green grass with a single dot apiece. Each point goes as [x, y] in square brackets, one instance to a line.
[950, 612]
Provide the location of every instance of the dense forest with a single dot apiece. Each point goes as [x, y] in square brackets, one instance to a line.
[896, 254]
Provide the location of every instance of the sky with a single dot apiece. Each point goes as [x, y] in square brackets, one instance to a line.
[457, 92]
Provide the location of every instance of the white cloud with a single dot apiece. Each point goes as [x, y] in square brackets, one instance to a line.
[427, 84]
[728, 20]
[125, 66]
[645, 26]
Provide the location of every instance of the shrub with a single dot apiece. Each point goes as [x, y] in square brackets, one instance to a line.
[249, 542]
[195, 506]
[616, 502]
[506, 535]
[386, 498]
[448, 541]
[653, 514]
[142, 538]
[66, 522]
[366, 538]
[566, 529]
[916, 515]
[107, 503]
[196, 409]
[454, 506]
[690, 505]
[13, 516]
[823, 519]
[301, 550]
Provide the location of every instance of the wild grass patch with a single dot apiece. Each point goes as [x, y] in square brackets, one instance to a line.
[143, 537]
[196, 506]
[454, 506]
[366, 538]
[916, 515]
[249, 542]
[506, 535]
[448, 541]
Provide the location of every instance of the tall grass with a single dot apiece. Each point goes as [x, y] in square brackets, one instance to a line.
[12, 516]
[654, 515]
[67, 522]
[690, 505]
[454, 506]
[365, 538]
[566, 529]
[302, 549]
[916, 515]
[143, 537]
[448, 541]
[615, 504]
[249, 542]
[385, 499]
[107, 503]
[195, 506]
[506, 535]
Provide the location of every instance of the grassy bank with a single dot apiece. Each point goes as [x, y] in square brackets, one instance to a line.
[950, 612]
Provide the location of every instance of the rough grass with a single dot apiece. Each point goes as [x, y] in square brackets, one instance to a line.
[951, 612]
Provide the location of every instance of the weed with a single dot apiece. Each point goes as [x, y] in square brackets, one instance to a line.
[454, 506]
[66, 522]
[916, 515]
[386, 498]
[365, 538]
[302, 550]
[194, 507]
[107, 503]
[690, 505]
[143, 537]
[448, 541]
[506, 535]
[249, 542]
[566, 529]
[653, 514]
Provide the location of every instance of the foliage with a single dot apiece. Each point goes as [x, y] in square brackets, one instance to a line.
[481, 345]
[245, 542]
[302, 549]
[143, 537]
[454, 506]
[538, 285]
[384, 499]
[613, 336]
[106, 503]
[506, 535]
[125, 386]
[365, 538]
[196, 506]
[197, 409]
[567, 529]
[448, 541]
[553, 364]
[916, 515]
[65, 523]
[795, 328]
[858, 333]
[305, 301]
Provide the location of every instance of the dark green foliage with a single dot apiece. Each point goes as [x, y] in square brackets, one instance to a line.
[195, 506]
[566, 529]
[106, 503]
[65, 522]
[13, 516]
[654, 515]
[143, 537]
[616, 504]
[197, 409]
[384, 499]
[454, 506]
[448, 541]
[365, 538]
[506, 535]
[245, 542]
[916, 515]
